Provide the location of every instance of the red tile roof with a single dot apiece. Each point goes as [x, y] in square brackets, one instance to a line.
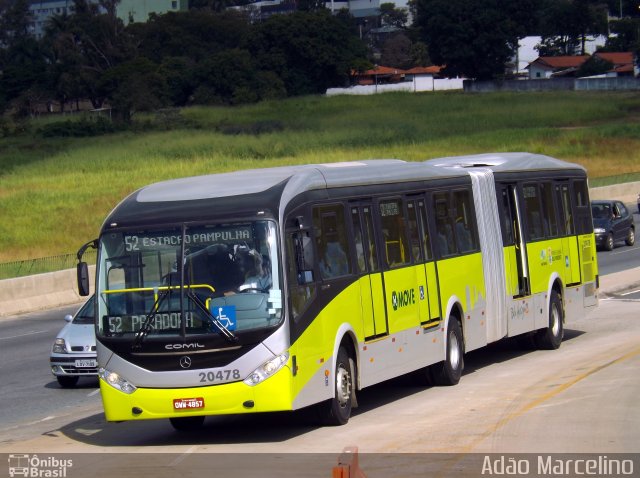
[617, 58]
[424, 70]
[560, 62]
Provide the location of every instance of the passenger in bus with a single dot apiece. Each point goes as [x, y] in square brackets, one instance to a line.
[463, 236]
[445, 239]
[333, 260]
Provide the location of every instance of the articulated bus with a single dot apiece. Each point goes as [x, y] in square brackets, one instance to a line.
[284, 288]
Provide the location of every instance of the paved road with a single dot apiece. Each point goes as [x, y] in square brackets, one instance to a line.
[580, 398]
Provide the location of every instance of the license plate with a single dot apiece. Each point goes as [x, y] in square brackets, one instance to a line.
[86, 363]
[188, 403]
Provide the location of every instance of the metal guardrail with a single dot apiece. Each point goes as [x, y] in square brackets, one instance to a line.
[9, 270]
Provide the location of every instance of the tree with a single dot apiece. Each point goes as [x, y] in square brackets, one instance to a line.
[22, 65]
[474, 38]
[309, 51]
[392, 16]
[396, 52]
[134, 85]
[626, 35]
[193, 34]
[565, 25]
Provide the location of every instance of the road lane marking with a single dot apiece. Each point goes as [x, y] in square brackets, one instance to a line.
[547, 396]
[184, 455]
[94, 392]
[24, 335]
[631, 292]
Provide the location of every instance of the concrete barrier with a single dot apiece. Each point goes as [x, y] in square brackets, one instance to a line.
[625, 192]
[39, 292]
[54, 289]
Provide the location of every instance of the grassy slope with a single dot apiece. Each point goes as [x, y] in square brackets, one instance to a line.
[54, 193]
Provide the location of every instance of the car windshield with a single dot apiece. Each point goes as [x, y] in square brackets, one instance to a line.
[601, 211]
[85, 314]
[229, 273]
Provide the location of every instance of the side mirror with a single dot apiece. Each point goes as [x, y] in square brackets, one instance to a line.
[68, 318]
[83, 279]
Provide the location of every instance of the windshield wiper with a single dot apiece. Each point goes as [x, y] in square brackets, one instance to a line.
[146, 325]
[227, 334]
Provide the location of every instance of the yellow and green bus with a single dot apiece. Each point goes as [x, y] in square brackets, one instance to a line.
[283, 288]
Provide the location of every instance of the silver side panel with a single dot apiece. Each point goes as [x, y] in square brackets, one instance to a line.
[484, 197]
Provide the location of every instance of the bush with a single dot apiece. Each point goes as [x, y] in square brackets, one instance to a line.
[79, 128]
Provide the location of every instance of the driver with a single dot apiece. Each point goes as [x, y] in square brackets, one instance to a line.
[259, 275]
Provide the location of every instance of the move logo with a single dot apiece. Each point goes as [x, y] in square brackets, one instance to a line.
[403, 298]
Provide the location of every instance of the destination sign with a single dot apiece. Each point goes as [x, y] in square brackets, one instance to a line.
[160, 321]
[203, 237]
[391, 208]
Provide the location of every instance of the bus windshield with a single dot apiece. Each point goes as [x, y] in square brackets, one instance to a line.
[190, 280]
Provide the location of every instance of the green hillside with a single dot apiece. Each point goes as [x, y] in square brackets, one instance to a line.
[55, 191]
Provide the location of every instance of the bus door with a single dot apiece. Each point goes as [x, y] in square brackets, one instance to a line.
[368, 267]
[570, 252]
[406, 306]
[516, 263]
[425, 269]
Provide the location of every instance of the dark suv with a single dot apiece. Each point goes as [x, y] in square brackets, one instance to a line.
[612, 222]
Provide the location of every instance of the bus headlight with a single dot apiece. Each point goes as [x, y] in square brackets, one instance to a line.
[59, 347]
[116, 381]
[598, 230]
[267, 369]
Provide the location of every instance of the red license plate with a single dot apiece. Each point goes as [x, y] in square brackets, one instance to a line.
[188, 403]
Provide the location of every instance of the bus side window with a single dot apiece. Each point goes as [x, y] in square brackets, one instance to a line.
[583, 222]
[444, 230]
[331, 241]
[301, 285]
[393, 230]
[535, 225]
[506, 218]
[567, 212]
[414, 233]
[361, 262]
[424, 230]
[549, 211]
[465, 225]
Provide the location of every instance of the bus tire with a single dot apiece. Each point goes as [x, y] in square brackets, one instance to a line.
[338, 409]
[449, 371]
[183, 424]
[550, 337]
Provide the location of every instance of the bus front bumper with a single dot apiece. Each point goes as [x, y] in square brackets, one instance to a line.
[274, 394]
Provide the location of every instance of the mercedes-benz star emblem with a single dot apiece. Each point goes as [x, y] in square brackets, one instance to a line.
[185, 362]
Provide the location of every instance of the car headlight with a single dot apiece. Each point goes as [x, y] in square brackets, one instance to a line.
[267, 369]
[59, 346]
[598, 230]
[116, 381]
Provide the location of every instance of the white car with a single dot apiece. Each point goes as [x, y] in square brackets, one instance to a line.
[73, 354]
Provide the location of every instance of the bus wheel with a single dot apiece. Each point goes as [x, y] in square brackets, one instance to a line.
[449, 371]
[550, 337]
[338, 410]
[187, 423]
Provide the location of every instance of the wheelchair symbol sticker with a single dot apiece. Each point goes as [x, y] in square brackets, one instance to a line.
[226, 315]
